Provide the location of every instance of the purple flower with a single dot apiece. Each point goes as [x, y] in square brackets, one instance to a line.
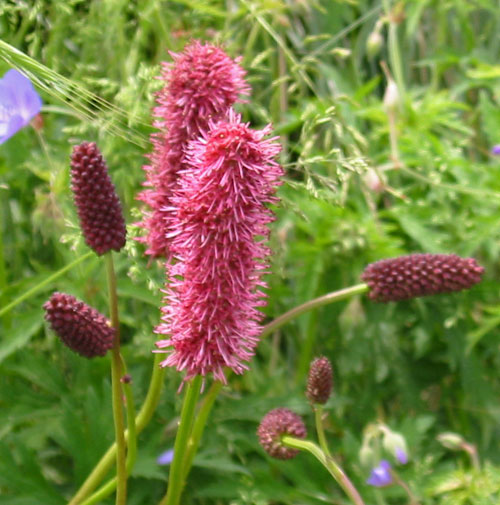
[165, 458]
[19, 103]
[495, 149]
[381, 475]
[401, 455]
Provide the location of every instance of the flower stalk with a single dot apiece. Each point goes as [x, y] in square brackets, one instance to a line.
[199, 425]
[177, 475]
[116, 375]
[329, 463]
[141, 421]
[334, 296]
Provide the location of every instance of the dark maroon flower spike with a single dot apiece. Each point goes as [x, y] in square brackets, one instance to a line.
[274, 425]
[82, 328]
[391, 280]
[319, 381]
[97, 203]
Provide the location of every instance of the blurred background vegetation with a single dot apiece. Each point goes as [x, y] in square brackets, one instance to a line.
[365, 180]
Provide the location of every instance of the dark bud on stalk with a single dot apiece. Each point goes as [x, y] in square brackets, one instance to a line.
[319, 381]
[82, 328]
[274, 425]
[416, 275]
[97, 203]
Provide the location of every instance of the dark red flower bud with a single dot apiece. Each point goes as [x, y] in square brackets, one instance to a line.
[416, 275]
[97, 203]
[274, 425]
[82, 328]
[319, 381]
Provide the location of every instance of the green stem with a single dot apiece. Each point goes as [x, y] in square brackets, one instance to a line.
[3, 271]
[105, 490]
[394, 52]
[199, 426]
[176, 477]
[400, 482]
[44, 283]
[116, 375]
[141, 421]
[335, 296]
[320, 430]
[329, 463]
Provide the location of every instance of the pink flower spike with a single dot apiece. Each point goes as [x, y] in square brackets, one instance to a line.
[201, 84]
[218, 235]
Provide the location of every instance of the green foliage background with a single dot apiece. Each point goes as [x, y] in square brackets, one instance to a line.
[423, 366]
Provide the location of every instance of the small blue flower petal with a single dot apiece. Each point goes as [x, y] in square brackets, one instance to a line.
[19, 103]
[401, 456]
[495, 149]
[381, 475]
[165, 458]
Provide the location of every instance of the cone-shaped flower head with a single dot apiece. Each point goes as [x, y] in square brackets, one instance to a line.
[96, 201]
[82, 328]
[416, 275]
[211, 314]
[319, 381]
[274, 425]
[201, 85]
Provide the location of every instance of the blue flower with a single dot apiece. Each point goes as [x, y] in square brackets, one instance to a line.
[495, 149]
[165, 458]
[381, 475]
[19, 103]
[401, 455]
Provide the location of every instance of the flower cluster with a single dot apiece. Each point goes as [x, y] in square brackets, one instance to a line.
[81, 327]
[202, 84]
[217, 235]
[97, 203]
[420, 275]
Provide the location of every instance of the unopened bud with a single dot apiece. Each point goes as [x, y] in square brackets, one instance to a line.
[81, 327]
[96, 201]
[391, 96]
[451, 441]
[319, 381]
[417, 275]
[395, 444]
[274, 425]
[374, 43]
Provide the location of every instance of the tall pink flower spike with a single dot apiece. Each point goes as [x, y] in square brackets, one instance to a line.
[217, 240]
[202, 84]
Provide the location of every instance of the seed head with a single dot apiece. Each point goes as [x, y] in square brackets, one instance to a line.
[274, 425]
[82, 328]
[96, 201]
[319, 381]
[420, 275]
